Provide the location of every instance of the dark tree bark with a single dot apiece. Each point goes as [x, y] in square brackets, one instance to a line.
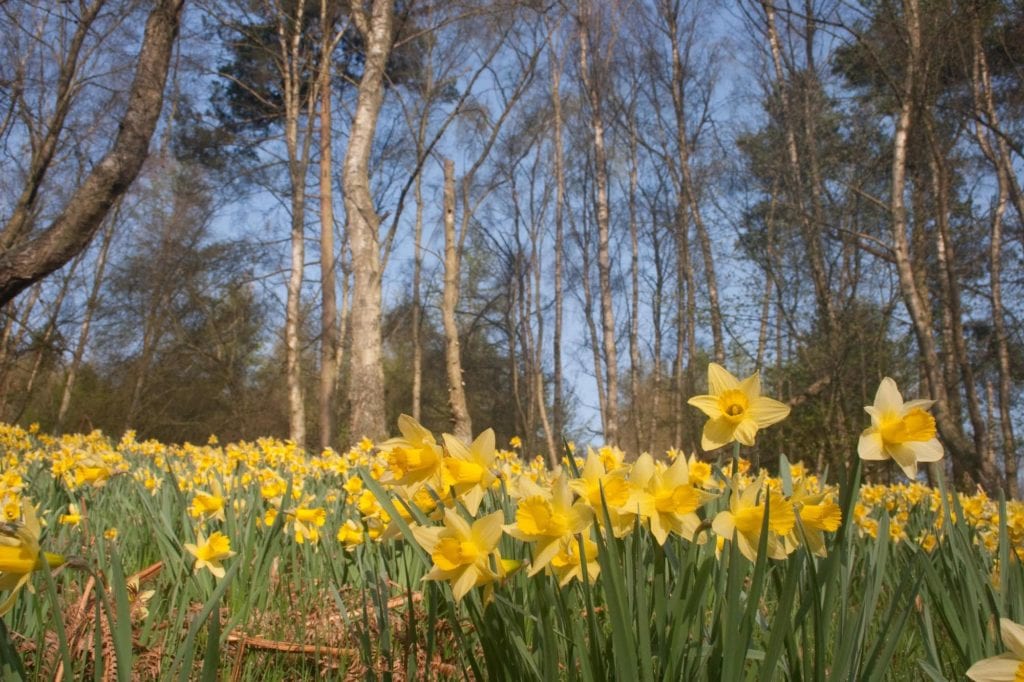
[72, 230]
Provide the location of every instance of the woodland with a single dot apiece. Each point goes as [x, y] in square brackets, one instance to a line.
[303, 218]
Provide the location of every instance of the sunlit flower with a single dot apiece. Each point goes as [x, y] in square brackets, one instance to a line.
[1008, 667]
[546, 518]
[735, 409]
[594, 482]
[72, 518]
[414, 457]
[350, 534]
[567, 564]
[666, 498]
[20, 554]
[468, 470]
[817, 513]
[744, 519]
[208, 505]
[462, 554]
[210, 552]
[903, 431]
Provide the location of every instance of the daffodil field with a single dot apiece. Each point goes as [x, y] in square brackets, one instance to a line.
[427, 557]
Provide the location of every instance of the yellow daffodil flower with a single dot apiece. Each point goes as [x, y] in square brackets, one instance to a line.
[462, 553]
[20, 555]
[745, 517]
[593, 481]
[547, 517]
[666, 498]
[1007, 667]
[350, 534]
[735, 409]
[209, 553]
[208, 505]
[468, 470]
[72, 518]
[816, 513]
[902, 431]
[414, 457]
[567, 564]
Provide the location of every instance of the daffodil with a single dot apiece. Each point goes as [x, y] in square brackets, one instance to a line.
[735, 409]
[567, 563]
[666, 498]
[463, 554]
[547, 518]
[210, 552]
[350, 534]
[467, 470]
[744, 519]
[414, 457]
[208, 505]
[903, 431]
[816, 514]
[596, 482]
[20, 554]
[1008, 667]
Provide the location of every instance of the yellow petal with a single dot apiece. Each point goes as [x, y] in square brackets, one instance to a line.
[720, 380]
[717, 432]
[767, 411]
[708, 404]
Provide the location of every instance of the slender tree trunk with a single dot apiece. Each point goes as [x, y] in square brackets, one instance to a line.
[83, 331]
[44, 339]
[688, 189]
[999, 157]
[556, 340]
[366, 389]
[951, 294]
[601, 209]
[329, 304]
[462, 425]
[634, 319]
[417, 274]
[965, 464]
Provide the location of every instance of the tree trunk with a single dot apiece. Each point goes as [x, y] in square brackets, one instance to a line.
[1000, 158]
[329, 305]
[366, 389]
[965, 464]
[462, 425]
[556, 339]
[687, 188]
[604, 267]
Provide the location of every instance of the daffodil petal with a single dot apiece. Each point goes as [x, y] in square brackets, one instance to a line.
[1013, 636]
[925, 451]
[996, 669]
[708, 404]
[717, 432]
[869, 447]
[767, 411]
[720, 380]
[487, 531]
[888, 397]
[746, 431]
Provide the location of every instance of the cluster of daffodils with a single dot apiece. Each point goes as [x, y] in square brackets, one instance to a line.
[442, 488]
[448, 492]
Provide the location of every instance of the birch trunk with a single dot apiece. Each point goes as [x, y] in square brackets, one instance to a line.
[366, 389]
[462, 425]
[602, 216]
[328, 301]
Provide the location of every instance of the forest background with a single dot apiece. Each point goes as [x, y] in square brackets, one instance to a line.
[545, 218]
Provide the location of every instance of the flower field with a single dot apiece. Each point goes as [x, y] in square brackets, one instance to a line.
[426, 557]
